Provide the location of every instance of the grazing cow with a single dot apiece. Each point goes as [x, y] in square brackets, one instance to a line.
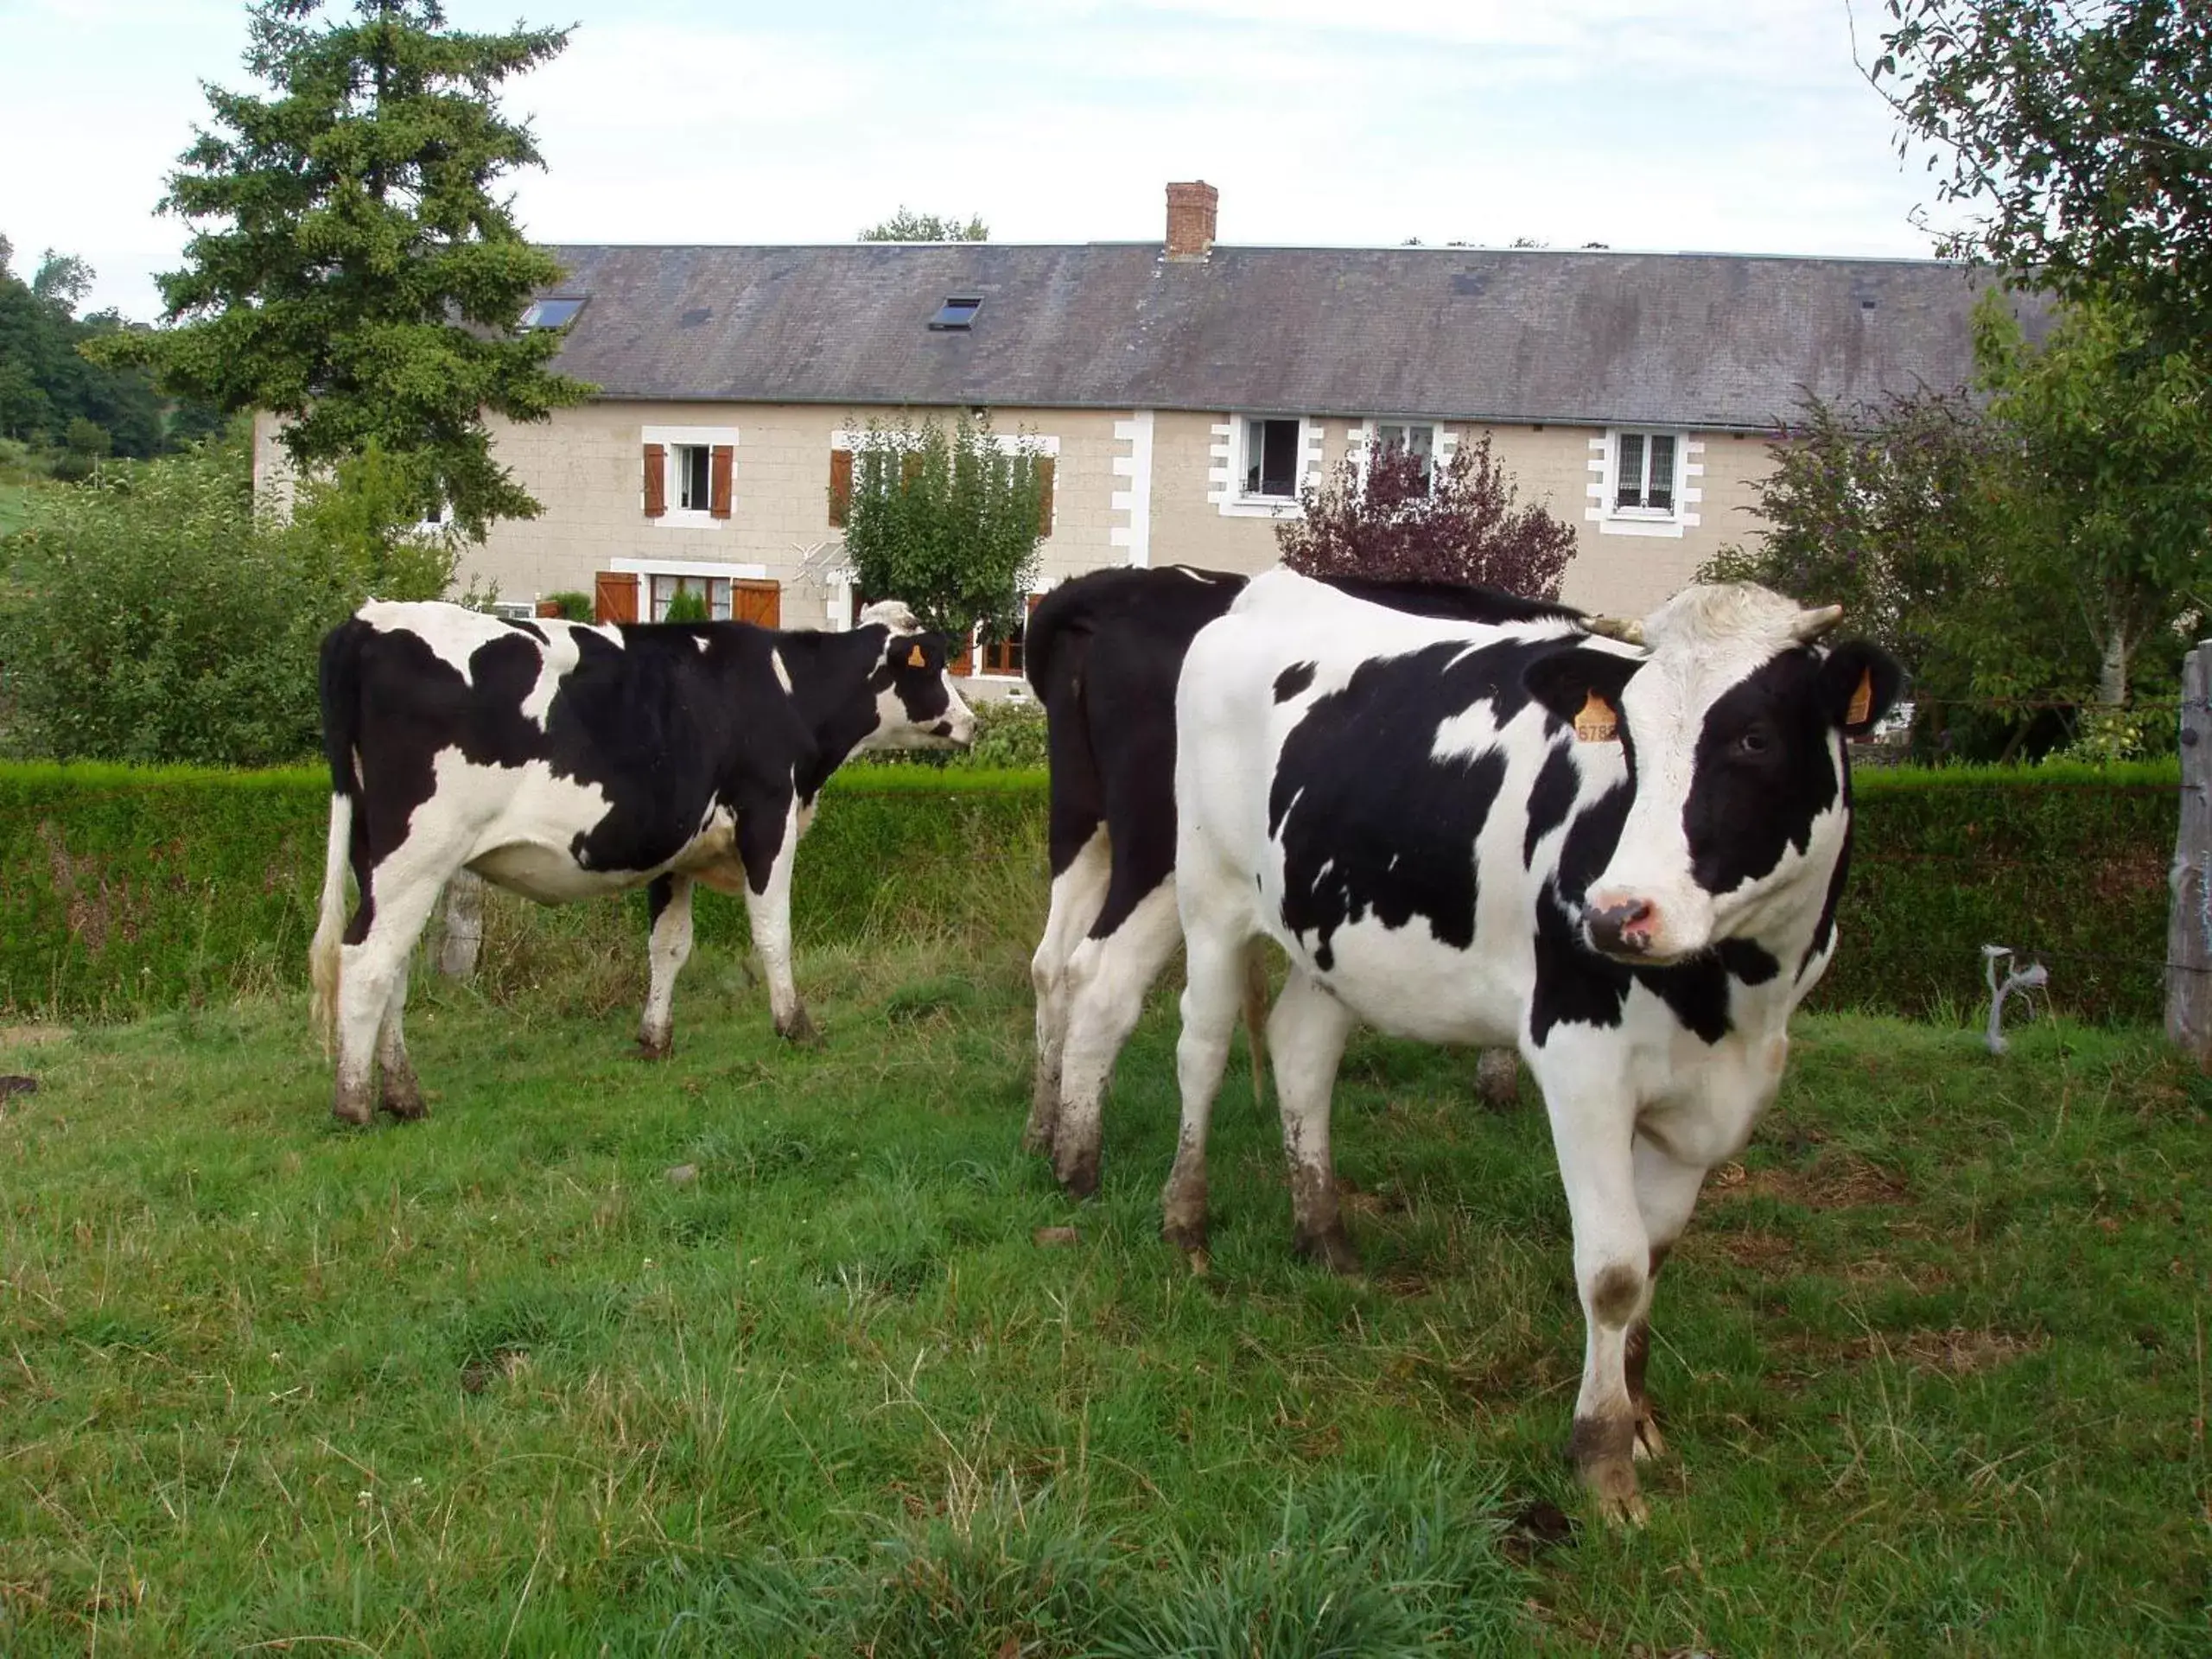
[1104, 651]
[1623, 855]
[564, 761]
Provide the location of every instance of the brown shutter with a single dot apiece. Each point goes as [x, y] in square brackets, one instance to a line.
[758, 602]
[841, 484]
[614, 596]
[964, 664]
[549, 608]
[1044, 495]
[718, 501]
[656, 484]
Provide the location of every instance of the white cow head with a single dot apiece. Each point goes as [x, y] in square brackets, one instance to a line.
[1732, 724]
[917, 705]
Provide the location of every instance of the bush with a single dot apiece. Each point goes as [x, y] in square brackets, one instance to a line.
[572, 607]
[155, 616]
[686, 607]
[122, 889]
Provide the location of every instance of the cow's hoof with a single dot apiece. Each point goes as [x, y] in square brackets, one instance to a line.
[1332, 1248]
[799, 1028]
[1650, 1443]
[1187, 1234]
[1613, 1489]
[650, 1050]
[354, 1114]
[1078, 1171]
[404, 1101]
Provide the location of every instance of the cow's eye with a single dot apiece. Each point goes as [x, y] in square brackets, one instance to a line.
[1751, 742]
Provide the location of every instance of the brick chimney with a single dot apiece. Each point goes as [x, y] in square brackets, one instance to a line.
[1191, 211]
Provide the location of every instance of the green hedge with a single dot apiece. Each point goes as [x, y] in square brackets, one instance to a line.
[124, 889]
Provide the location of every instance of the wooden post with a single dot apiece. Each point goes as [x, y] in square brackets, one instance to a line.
[464, 926]
[2188, 923]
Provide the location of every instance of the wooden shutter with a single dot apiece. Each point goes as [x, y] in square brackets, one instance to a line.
[614, 596]
[549, 608]
[758, 602]
[841, 484]
[1044, 495]
[656, 484]
[718, 487]
[964, 664]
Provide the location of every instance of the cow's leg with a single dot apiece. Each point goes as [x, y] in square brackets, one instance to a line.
[1666, 1192]
[372, 972]
[1213, 995]
[767, 846]
[1077, 892]
[1106, 982]
[668, 904]
[397, 1092]
[1592, 1120]
[1306, 1032]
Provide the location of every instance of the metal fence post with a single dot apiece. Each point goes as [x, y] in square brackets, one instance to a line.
[2188, 923]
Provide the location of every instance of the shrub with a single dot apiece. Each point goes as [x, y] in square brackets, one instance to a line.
[573, 606]
[686, 607]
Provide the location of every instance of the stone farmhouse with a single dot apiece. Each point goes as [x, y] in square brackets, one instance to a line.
[1183, 392]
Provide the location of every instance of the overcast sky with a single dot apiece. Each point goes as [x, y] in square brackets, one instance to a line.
[1640, 123]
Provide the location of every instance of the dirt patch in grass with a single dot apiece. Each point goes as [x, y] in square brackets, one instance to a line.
[1840, 1180]
[31, 1036]
[1955, 1352]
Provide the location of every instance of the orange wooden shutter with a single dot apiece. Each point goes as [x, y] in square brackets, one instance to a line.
[841, 484]
[614, 596]
[548, 607]
[656, 484]
[719, 500]
[1044, 495]
[758, 602]
[964, 663]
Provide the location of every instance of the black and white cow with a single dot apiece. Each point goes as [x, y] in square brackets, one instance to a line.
[1103, 653]
[565, 761]
[1623, 855]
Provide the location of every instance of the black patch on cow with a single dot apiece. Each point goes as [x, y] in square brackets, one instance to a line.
[1764, 769]
[530, 628]
[1562, 680]
[1292, 680]
[1369, 819]
[1840, 677]
[1550, 799]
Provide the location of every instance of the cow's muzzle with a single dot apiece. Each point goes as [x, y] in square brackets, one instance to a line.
[1623, 928]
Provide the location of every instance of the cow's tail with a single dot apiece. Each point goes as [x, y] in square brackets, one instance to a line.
[1255, 1015]
[342, 707]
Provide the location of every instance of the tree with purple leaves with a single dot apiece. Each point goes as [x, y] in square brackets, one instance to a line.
[1405, 516]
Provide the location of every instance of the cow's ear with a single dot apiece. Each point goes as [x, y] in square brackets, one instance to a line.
[1566, 682]
[1859, 683]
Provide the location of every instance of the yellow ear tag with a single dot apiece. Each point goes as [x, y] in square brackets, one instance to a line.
[1596, 723]
[1862, 700]
[914, 656]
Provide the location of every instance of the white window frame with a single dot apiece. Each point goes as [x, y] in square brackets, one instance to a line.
[672, 438]
[1604, 491]
[1225, 478]
[1364, 440]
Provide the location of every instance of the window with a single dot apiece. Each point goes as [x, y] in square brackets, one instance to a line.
[550, 313]
[1271, 457]
[694, 491]
[727, 598]
[1643, 474]
[1004, 656]
[687, 475]
[1417, 439]
[959, 312]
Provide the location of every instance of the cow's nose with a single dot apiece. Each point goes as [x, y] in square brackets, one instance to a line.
[1623, 928]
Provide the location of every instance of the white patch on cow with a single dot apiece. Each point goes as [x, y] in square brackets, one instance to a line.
[555, 659]
[893, 614]
[783, 674]
[522, 823]
[701, 641]
[453, 632]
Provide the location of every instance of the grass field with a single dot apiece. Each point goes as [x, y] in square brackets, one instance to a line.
[1932, 1359]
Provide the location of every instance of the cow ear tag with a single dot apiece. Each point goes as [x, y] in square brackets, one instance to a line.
[1596, 723]
[1862, 700]
[914, 656]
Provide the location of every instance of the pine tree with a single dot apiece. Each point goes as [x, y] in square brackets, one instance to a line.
[350, 269]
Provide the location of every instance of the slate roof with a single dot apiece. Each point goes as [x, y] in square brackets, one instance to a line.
[1682, 339]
